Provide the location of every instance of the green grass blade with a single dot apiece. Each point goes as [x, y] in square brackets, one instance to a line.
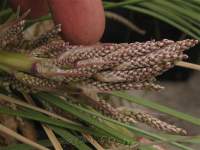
[70, 138]
[42, 118]
[161, 17]
[183, 139]
[178, 9]
[171, 14]
[108, 5]
[131, 128]
[70, 108]
[32, 115]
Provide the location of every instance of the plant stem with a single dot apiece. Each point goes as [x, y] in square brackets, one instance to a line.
[188, 65]
[16, 61]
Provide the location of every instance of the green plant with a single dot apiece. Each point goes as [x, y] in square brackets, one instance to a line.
[61, 84]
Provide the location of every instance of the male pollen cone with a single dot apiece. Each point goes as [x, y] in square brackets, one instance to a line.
[83, 21]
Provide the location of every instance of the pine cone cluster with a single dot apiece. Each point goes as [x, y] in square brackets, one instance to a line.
[101, 67]
[104, 67]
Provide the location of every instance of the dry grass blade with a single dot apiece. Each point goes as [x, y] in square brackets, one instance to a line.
[56, 144]
[21, 138]
[93, 142]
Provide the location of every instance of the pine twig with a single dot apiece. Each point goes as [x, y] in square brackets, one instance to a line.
[188, 65]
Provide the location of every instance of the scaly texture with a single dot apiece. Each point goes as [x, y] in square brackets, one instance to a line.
[45, 38]
[51, 50]
[11, 34]
[108, 110]
[156, 123]
[170, 53]
[28, 83]
[133, 117]
[11, 83]
[135, 75]
[121, 86]
[87, 52]
[36, 82]
[112, 52]
[127, 51]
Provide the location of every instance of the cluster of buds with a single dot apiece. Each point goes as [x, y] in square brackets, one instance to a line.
[100, 67]
[155, 122]
[104, 67]
[110, 67]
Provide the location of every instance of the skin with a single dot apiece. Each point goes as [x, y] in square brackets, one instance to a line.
[83, 21]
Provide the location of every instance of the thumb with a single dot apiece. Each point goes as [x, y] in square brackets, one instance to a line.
[83, 21]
